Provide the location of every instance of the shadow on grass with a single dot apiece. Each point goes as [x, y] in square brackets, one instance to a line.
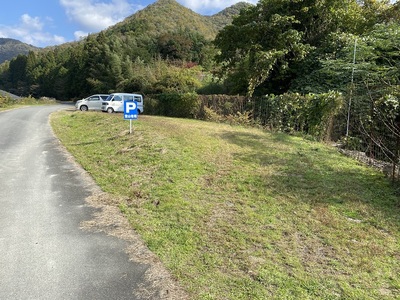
[315, 174]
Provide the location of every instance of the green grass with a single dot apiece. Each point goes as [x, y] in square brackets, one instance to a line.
[240, 213]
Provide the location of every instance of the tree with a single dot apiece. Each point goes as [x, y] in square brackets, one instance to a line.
[184, 45]
[266, 44]
[18, 70]
[258, 44]
[99, 62]
[380, 78]
[371, 85]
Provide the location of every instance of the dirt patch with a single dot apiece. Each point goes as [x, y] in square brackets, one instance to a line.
[111, 221]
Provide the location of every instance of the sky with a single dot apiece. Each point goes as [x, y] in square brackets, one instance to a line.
[44, 23]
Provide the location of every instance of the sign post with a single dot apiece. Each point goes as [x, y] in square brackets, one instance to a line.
[130, 112]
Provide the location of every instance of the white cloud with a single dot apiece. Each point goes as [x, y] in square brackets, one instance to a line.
[32, 23]
[80, 35]
[30, 30]
[94, 16]
[205, 6]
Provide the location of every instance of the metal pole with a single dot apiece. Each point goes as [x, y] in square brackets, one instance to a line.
[351, 88]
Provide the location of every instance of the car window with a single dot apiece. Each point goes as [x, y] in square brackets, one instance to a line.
[117, 98]
[128, 98]
[94, 98]
[138, 99]
[104, 97]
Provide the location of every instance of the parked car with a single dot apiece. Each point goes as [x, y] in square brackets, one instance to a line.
[91, 103]
[115, 102]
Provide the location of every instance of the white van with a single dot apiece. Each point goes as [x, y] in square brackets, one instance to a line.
[115, 102]
[91, 103]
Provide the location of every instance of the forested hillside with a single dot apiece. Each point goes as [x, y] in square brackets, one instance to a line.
[223, 18]
[10, 48]
[170, 16]
[134, 55]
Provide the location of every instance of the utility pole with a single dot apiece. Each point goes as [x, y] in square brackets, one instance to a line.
[351, 88]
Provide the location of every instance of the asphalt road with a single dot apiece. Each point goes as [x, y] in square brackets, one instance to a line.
[43, 252]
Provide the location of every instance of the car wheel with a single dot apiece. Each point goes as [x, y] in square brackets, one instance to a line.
[110, 110]
[83, 108]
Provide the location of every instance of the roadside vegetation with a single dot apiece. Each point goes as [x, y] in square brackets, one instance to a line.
[8, 103]
[241, 213]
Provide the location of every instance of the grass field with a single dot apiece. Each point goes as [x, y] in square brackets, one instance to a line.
[240, 213]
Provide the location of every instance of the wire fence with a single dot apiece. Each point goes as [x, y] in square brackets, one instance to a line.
[373, 138]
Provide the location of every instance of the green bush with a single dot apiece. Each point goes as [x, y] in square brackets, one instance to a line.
[311, 113]
[181, 105]
[2, 101]
[210, 115]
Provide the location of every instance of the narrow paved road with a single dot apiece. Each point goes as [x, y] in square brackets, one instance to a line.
[43, 252]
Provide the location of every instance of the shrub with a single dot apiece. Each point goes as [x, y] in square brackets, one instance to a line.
[184, 105]
[311, 113]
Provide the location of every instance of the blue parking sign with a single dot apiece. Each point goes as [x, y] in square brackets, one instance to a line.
[130, 110]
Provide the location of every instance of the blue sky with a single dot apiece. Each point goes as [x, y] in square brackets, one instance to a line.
[51, 22]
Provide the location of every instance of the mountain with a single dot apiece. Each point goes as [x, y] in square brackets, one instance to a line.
[10, 48]
[163, 16]
[170, 16]
[137, 54]
[225, 17]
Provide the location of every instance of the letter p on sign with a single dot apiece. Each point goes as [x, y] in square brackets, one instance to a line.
[130, 110]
